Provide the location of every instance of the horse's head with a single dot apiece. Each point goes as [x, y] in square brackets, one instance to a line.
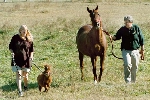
[95, 17]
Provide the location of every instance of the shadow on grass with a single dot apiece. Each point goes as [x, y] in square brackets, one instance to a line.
[12, 86]
[2, 32]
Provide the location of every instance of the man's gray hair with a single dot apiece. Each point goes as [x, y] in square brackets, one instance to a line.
[128, 18]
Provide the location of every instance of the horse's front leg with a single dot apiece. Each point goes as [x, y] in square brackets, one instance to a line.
[81, 64]
[93, 60]
[102, 58]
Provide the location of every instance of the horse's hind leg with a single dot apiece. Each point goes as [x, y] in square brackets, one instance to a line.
[93, 60]
[81, 63]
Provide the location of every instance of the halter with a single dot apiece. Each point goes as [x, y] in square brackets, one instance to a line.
[97, 21]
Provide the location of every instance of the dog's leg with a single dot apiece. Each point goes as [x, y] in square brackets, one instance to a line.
[46, 88]
[40, 88]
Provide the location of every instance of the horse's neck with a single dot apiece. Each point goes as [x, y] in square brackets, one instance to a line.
[97, 34]
[100, 34]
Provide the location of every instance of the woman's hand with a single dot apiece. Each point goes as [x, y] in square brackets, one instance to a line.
[31, 56]
[12, 55]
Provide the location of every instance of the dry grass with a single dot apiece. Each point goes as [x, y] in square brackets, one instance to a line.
[54, 27]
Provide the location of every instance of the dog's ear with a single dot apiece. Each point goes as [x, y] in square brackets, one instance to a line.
[49, 67]
[45, 67]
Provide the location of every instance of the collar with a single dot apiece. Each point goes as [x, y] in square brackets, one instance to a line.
[132, 27]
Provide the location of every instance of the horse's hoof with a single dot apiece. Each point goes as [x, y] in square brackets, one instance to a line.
[99, 79]
[95, 82]
[82, 78]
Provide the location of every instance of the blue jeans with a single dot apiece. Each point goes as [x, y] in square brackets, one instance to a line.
[131, 61]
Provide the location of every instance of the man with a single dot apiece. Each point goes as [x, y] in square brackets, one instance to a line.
[132, 40]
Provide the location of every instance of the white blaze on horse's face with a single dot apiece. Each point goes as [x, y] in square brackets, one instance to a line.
[98, 24]
[97, 20]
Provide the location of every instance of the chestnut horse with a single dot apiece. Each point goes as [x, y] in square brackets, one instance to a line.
[91, 41]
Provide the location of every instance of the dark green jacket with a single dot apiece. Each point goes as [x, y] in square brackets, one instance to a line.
[132, 38]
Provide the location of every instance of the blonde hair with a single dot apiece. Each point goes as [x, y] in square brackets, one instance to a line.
[28, 35]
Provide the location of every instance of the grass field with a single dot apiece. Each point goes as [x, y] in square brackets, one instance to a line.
[54, 27]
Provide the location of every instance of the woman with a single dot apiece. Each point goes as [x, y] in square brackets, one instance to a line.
[132, 40]
[21, 48]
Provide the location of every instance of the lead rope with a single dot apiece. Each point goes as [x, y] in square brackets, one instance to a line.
[113, 52]
[37, 67]
[112, 46]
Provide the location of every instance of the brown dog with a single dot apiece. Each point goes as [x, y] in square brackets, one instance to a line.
[45, 79]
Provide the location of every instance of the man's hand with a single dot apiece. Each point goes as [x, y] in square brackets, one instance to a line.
[111, 38]
[142, 54]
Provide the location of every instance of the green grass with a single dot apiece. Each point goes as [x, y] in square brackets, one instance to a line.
[54, 27]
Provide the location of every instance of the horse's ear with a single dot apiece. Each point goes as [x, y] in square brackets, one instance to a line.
[88, 10]
[96, 8]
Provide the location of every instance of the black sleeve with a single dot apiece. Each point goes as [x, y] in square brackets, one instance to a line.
[118, 34]
[141, 37]
[31, 48]
[12, 43]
